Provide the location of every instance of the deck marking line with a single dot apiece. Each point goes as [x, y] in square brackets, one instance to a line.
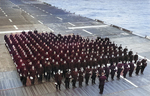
[129, 81]
[86, 31]
[40, 22]
[51, 29]
[4, 32]
[59, 18]
[10, 20]
[32, 16]
[71, 24]
[143, 57]
[88, 27]
[15, 26]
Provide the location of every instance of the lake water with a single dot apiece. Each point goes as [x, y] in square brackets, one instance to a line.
[130, 14]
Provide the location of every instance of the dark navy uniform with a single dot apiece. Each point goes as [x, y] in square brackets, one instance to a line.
[101, 83]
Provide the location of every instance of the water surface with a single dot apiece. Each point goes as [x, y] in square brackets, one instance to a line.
[130, 14]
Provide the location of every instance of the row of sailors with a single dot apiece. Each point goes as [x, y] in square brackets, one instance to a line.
[25, 52]
[76, 47]
[100, 58]
[29, 38]
[79, 74]
[33, 51]
[92, 57]
[65, 62]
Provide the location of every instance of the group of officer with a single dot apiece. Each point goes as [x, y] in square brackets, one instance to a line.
[38, 55]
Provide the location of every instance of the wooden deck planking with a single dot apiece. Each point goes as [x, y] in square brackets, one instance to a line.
[68, 93]
[71, 92]
[28, 90]
[34, 90]
[24, 91]
[110, 87]
[2, 93]
[10, 93]
[43, 89]
[19, 92]
[86, 91]
[39, 89]
[76, 90]
[46, 87]
[49, 87]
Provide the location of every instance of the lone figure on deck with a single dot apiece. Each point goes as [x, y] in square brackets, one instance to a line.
[102, 82]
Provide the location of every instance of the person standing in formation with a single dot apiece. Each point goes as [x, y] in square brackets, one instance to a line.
[74, 77]
[138, 67]
[94, 71]
[126, 69]
[80, 79]
[87, 75]
[135, 58]
[58, 78]
[67, 79]
[144, 64]
[113, 70]
[131, 69]
[33, 73]
[106, 71]
[119, 70]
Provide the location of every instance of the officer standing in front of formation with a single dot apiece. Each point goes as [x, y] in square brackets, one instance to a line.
[58, 78]
[102, 79]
